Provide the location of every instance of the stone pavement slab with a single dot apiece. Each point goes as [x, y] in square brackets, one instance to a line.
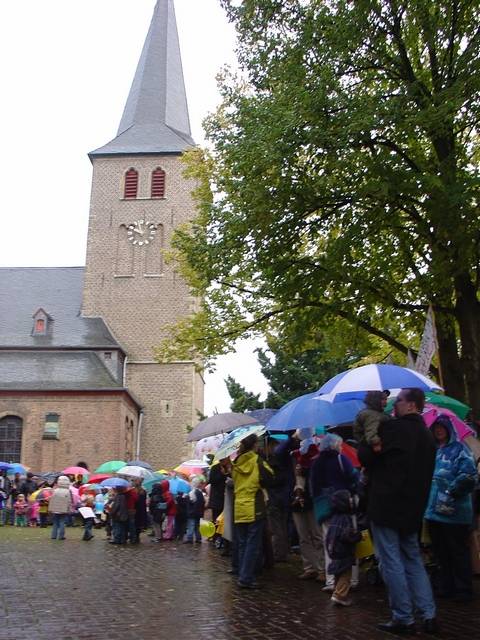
[76, 590]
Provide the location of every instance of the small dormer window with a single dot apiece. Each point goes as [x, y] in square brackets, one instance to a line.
[41, 323]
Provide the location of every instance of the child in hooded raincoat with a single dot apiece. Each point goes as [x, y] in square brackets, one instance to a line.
[342, 537]
[195, 509]
[21, 507]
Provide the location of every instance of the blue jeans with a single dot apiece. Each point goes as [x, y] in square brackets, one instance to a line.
[193, 529]
[404, 574]
[58, 526]
[132, 527]
[88, 526]
[249, 537]
[119, 531]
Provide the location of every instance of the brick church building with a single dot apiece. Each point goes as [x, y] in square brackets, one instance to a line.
[78, 379]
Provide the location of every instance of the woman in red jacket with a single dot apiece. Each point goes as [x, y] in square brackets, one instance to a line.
[171, 509]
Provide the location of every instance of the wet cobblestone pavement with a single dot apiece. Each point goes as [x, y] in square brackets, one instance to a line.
[75, 590]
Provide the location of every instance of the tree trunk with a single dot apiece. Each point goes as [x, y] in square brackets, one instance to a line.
[451, 368]
[468, 314]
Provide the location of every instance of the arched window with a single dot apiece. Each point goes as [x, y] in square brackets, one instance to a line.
[158, 183]
[11, 438]
[131, 184]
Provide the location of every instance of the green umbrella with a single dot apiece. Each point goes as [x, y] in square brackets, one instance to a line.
[110, 467]
[148, 484]
[441, 400]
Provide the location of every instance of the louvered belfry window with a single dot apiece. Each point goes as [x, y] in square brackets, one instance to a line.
[131, 184]
[158, 183]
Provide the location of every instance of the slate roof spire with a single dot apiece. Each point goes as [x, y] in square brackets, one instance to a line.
[155, 118]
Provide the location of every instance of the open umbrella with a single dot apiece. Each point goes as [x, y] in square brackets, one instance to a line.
[98, 477]
[178, 485]
[311, 411]
[112, 466]
[192, 468]
[157, 477]
[41, 494]
[353, 384]
[219, 423]
[233, 440]
[431, 413]
[135, 472]
[90, 488]
[76, 471]
[440, 400]
[115, 483]
[5, 466]
[208, 445]
[140, 463]
[16, 467]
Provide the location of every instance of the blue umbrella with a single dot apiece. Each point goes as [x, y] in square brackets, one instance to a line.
[178, 485]
[115, 483]
[5, 466]
[310, 411]
[373, 377]
[15, 467]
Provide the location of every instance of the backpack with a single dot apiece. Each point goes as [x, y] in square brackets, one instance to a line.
[158, 504]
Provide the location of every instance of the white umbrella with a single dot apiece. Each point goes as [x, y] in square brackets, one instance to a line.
[373, 377]
[135, 472]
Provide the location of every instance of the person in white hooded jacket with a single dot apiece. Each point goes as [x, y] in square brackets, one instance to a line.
[59, 506]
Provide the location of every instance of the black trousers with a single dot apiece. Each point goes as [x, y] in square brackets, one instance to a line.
[451, 548]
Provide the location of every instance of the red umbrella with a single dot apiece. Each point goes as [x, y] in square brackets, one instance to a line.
[98, 477]
[351, 453]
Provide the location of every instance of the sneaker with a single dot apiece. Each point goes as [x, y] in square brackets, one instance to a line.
[343, 602]
[328, 588]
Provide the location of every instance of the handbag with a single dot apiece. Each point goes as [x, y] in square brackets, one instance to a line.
[322, 504]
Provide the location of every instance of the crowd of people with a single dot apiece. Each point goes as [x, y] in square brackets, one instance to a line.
[299, 490]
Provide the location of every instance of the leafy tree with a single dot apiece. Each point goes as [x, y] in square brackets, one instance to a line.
[343, 180]
[243, 400]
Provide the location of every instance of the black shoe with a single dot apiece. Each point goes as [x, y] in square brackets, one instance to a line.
[462, 597]
[431, 627]
[247, 585]
[397, 628]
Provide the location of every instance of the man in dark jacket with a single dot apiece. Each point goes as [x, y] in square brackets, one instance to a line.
[28, 486]
[399, 484]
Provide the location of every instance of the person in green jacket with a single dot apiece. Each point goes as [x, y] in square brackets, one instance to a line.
[251, 476]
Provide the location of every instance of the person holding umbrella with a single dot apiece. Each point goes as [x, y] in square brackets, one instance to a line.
[400, 475]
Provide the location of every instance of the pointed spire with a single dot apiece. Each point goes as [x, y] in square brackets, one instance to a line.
[155, 118]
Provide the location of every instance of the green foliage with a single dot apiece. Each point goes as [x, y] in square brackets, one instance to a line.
[342, 188]
[242, 400]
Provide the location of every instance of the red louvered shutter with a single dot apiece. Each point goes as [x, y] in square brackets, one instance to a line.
[131, 184]
[158, 183]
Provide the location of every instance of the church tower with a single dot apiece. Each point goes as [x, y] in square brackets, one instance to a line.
[139, 195]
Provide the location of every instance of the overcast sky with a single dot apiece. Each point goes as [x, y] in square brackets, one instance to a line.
[66, 71]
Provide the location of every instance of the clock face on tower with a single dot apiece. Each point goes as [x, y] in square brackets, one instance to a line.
[141, 232]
